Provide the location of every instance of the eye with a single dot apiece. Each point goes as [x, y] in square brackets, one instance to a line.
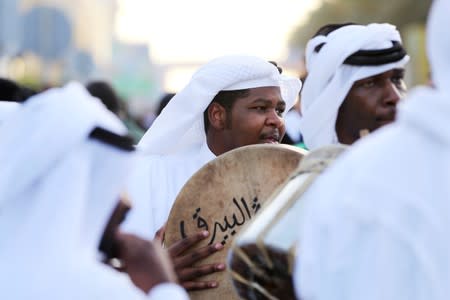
[280, 111]
[398, 80]
[260, 108]
[399, 83]
[368, 83]
[398, 76]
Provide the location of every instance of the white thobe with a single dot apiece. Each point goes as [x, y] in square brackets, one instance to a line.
[155, 185]
[6, 108]
[78, 280]
[376, 225]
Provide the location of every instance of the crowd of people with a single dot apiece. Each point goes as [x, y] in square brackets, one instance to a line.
[374, 224]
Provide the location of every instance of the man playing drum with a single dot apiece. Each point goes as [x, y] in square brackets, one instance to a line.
[230, 102]
[354, 82]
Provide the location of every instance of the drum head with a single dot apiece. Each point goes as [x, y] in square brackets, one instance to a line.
[224, 196]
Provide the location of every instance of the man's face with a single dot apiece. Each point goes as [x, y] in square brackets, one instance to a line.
[370, 104]
[256, 119]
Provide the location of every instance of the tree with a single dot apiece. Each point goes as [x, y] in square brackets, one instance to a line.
[398, 12]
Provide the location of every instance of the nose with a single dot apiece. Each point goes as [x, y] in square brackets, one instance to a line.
[273, 119]
[392, 94]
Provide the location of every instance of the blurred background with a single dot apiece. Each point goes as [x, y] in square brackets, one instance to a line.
[146, 48]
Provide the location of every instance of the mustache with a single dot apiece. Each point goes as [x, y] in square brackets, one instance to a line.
[274, 134]
[389, 115]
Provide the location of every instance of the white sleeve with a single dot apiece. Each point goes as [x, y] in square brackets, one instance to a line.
[349, 259]
[168, 291]
[139, 219]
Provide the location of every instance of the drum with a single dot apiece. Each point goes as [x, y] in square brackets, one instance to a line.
[223, 196]
[262, 256]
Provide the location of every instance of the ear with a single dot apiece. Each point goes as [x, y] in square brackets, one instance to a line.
[217, 116]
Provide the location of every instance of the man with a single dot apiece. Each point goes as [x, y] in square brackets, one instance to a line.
[354, 82]
[64, 162]
[377, 224]
[105, 92]
[230, 102]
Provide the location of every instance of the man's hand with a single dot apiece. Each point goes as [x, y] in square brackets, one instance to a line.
[159, 235]
[146, 262]
[183, 263]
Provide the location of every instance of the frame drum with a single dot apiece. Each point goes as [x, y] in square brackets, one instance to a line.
[223, 196]
[262, 256]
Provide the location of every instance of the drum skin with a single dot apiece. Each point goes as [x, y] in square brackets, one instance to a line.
[223, 196]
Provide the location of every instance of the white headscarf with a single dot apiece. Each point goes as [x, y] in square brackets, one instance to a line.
[180, 125]
[329, 80]
[57, 190]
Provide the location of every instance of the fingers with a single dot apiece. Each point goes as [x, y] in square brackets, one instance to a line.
[183, 263]
[181, 245]
[145, 262]
[196, 255]
[187, 274]
[199, 285]
[159, 235]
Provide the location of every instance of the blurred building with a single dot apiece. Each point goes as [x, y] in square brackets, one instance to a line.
[92, 23]
[9, 27]
[136, 77]
[9, 32]
[56, 40]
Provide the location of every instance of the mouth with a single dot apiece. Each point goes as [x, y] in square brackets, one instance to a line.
[273, 138]
[385, 119]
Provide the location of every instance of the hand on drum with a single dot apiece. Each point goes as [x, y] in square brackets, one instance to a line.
[159, 235]
[183, 263]
[146, 262]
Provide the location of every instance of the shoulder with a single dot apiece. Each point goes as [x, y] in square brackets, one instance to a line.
[367, 175]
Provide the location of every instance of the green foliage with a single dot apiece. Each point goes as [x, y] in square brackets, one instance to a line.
[29, 81]
[398, 12]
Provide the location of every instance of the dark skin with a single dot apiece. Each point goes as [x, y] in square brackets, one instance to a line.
[370, 104]
[183, 262]
[146, 263]
[255, 118]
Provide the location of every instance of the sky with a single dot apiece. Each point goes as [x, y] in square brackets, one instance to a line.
[199, 30]
[192, 32]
